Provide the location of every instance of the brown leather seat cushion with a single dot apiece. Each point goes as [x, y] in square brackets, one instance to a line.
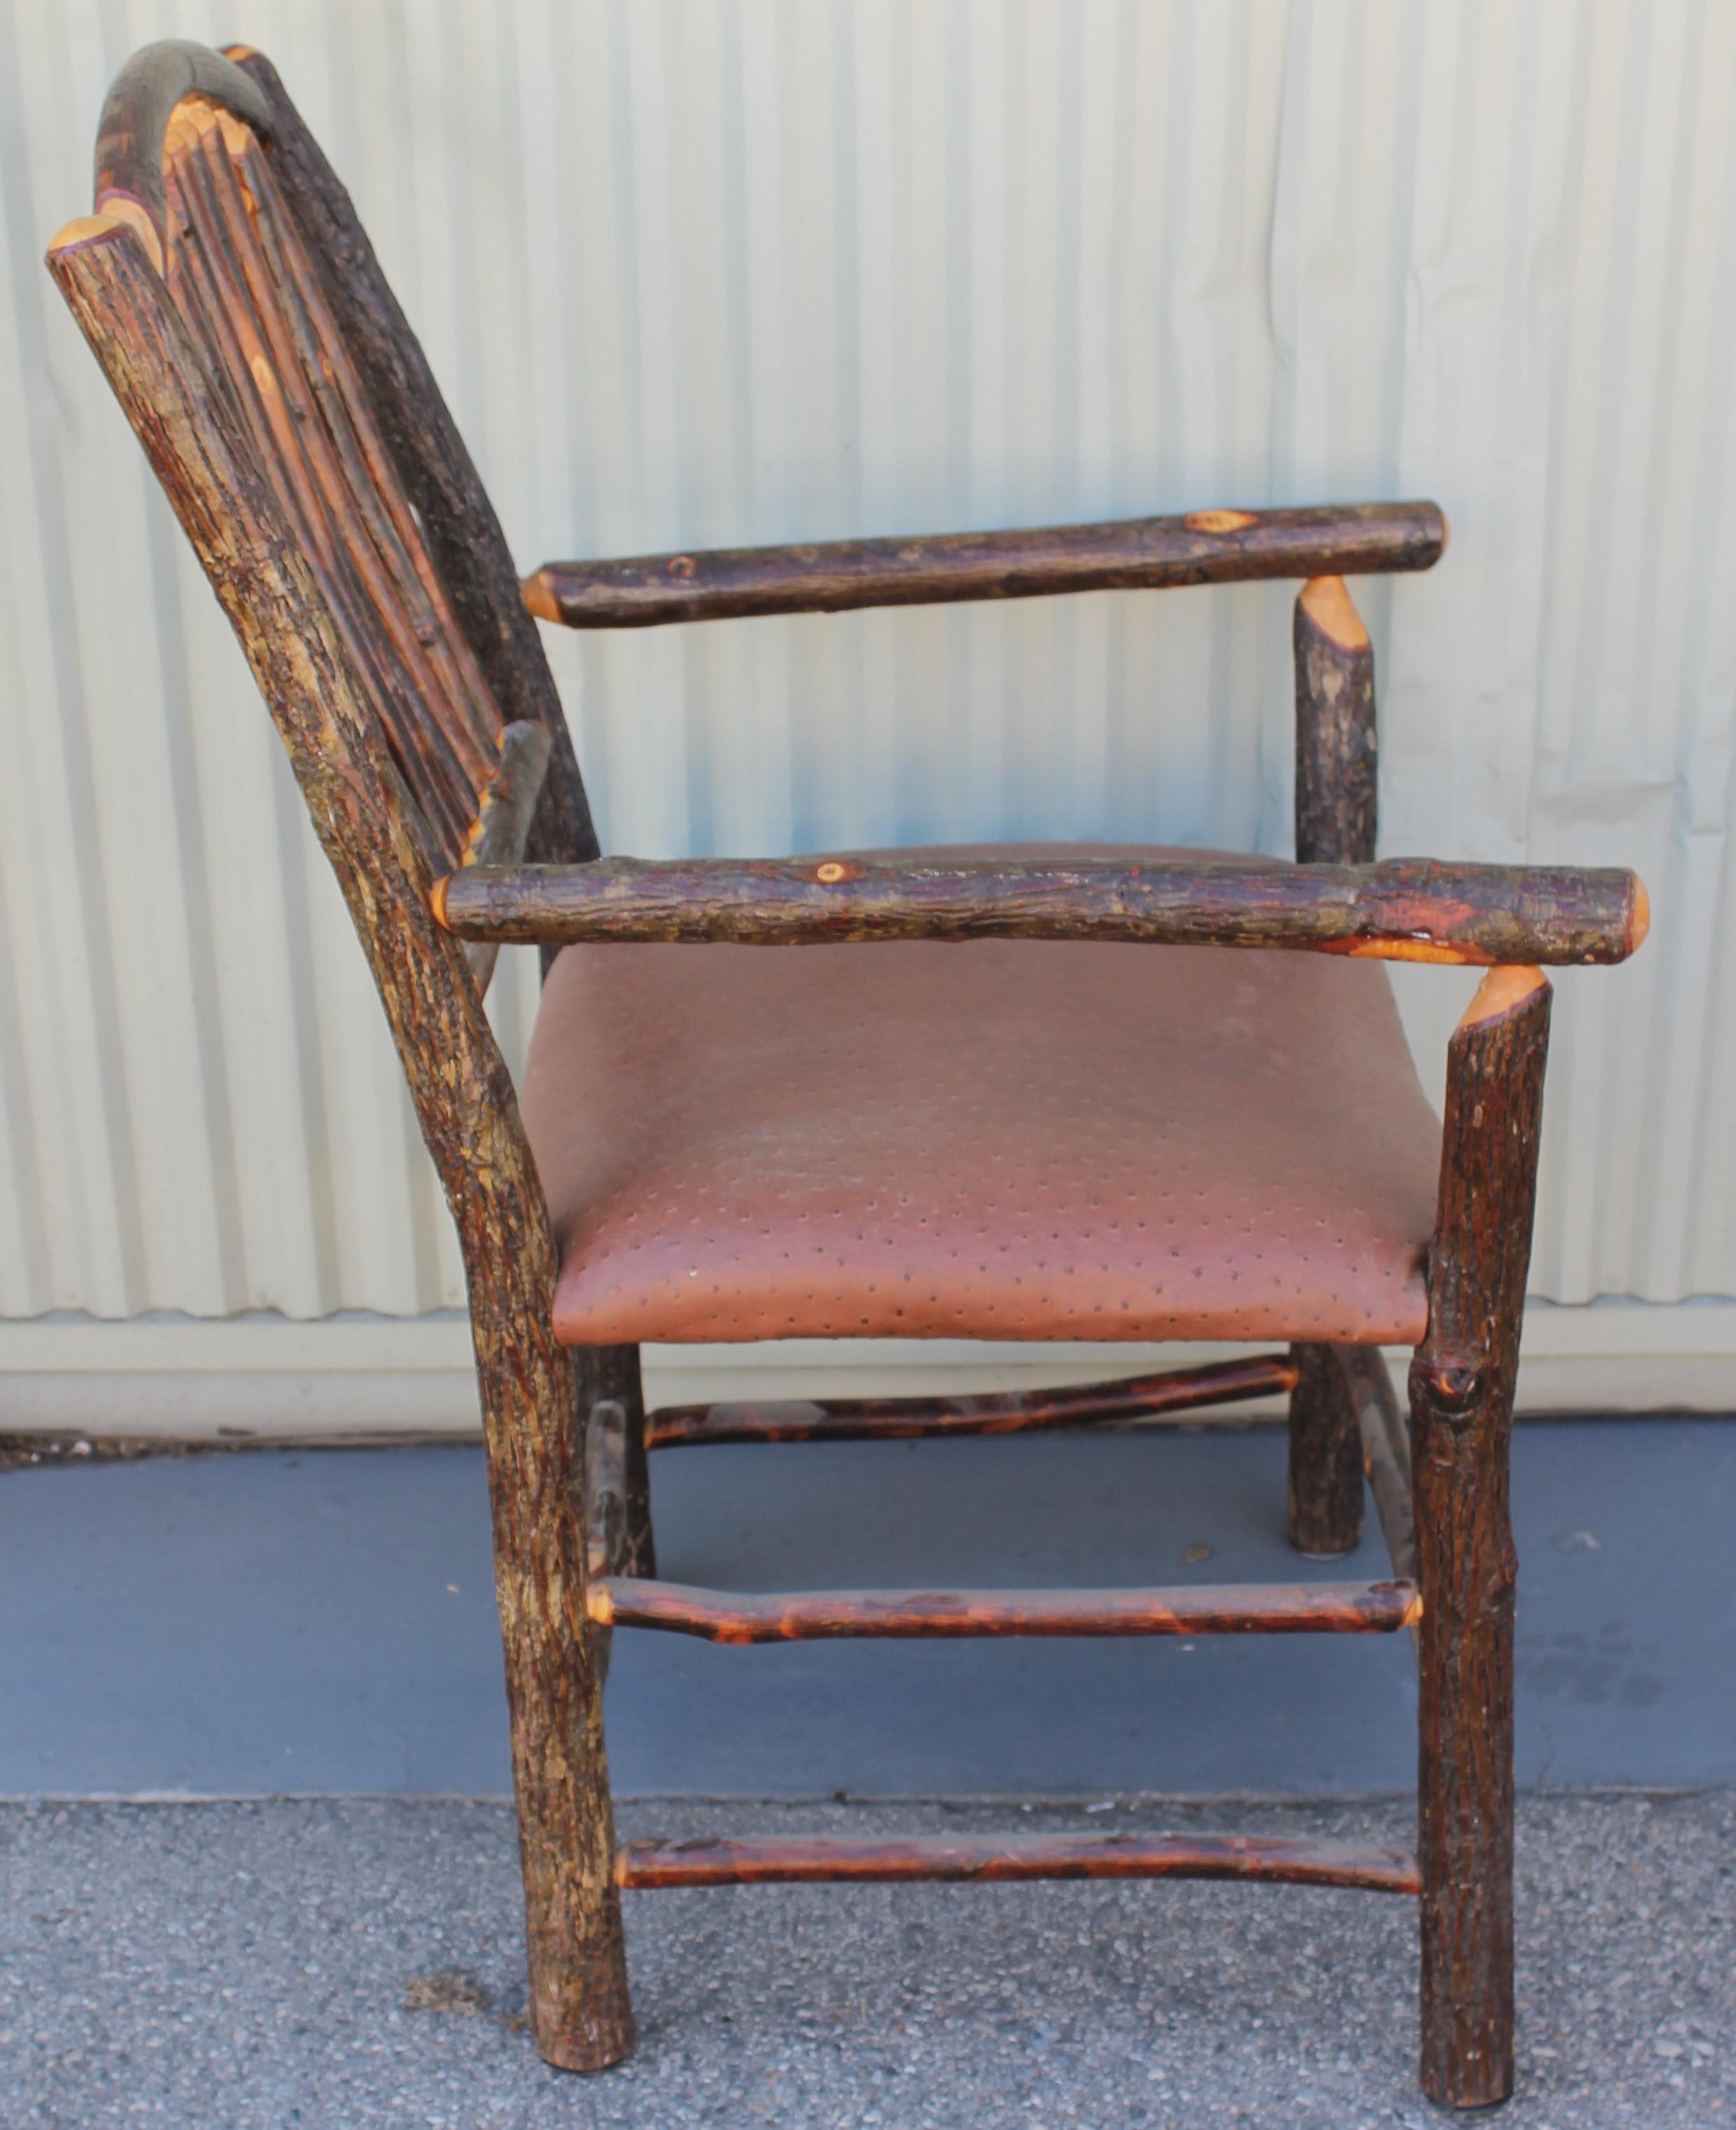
[1006, 1139]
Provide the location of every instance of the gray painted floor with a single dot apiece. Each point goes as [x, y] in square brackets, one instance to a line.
[322, 1622]
[254, 1967]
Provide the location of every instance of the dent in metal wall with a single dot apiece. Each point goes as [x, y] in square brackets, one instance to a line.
[699, 272]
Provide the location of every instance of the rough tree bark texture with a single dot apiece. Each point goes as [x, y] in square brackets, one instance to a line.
[1336, 744]
[129, 170]
[989, 1859]
[1205, 547]
[1324, 1497]
[431, 459]
[504, 812]
[1411, 910]
[994, 1412]
[464, 1101]
[1385, 1433]
[476, 565]
[1336, 799]
[1461, 1385]
[808, 1616]
[606, 1488]
[613, 1372]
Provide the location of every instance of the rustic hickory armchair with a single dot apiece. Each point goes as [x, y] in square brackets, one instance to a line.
[720, 1143]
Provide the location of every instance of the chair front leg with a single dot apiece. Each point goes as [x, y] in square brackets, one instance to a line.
[1461, 1389]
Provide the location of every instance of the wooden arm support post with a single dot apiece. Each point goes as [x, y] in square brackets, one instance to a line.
[1336, 817]
[1336, 744]
[1204, 547]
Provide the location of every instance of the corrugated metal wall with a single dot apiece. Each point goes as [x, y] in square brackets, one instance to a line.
[726, 271]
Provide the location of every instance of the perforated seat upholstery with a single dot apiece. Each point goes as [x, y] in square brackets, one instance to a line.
[1004, 1140]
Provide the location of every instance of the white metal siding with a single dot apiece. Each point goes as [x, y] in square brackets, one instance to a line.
[716, 271]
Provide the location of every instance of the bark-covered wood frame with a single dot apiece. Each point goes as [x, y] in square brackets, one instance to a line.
[566, 1433]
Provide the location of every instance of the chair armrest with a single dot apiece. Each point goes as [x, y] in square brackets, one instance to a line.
[504, 811]
[1405, 910]
[1205, 547]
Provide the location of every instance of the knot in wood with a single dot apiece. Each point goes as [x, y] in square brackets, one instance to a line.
[1454, 1388]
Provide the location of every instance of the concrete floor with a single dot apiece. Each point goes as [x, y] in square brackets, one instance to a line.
[257, 1966]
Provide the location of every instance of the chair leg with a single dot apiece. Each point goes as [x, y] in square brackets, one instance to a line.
[580, 2016]
[1461, 1388]
[1325, 1493]
[1336, 756]
[614, 1373]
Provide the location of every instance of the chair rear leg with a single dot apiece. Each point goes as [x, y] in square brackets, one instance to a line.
[614, 1373]
[1461, 1388]
[1325, 1492]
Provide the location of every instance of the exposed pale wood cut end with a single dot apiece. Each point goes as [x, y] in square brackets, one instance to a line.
[1407, 950]
[538, 599]
[87, 229]
[1501, 991]
[1639, 923]
[196, 117]
[138, 115]
[436, 902]
[1328, 605]
[130, 211]
[1218, 521]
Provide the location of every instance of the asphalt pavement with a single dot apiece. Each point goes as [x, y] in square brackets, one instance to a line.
[338, 1966]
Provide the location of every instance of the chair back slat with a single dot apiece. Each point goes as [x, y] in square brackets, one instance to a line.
[236, 267]
[434, 470]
